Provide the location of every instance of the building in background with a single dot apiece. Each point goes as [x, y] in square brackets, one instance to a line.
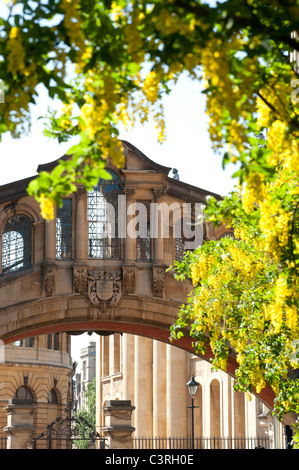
[36, 371]
[153, 375]
[86, 373]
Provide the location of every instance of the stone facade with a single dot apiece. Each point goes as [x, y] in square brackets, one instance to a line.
[35, 386]
[153, 376]
[100, 264]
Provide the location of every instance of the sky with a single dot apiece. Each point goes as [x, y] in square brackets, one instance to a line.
[187, 148]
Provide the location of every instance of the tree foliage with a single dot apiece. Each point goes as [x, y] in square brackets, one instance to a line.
[112, 62]
[86, 418]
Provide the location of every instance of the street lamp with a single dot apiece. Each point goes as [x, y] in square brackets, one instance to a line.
[192, 387]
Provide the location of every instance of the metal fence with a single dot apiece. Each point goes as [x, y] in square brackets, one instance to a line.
[201, 442]
[3, 442]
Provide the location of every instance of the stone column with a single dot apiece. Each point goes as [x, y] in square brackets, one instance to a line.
[159, 240]
[143, 387]
[50, 239]
[20, 426]
[81, 242]
[128, 367]
[130, 241]
[159, 388]
[118, 429]
[99, 391]
[176, 392]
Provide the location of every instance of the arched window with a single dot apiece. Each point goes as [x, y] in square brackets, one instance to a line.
[102, 214]
[52, 398]
[16, 244]
[23, 393]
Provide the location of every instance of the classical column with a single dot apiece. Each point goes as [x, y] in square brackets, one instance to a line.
[176, 391]
[143, 386]
[158, 240]
[99, 391]
[128, 367]
[159, 388]
[130, 242]
[81, 242]
[49, 265]
[50, 239]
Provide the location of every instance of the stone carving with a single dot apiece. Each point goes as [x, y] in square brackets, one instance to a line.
[104, 288]
[158, 193]
[158, 281]
[81, 191]
[49, 280]
[128, 280]
[80, 280]
[129, 192]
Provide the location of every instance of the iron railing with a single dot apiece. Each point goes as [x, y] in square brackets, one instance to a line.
[201, 442]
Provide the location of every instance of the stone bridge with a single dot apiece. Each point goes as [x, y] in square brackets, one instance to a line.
[97, 267]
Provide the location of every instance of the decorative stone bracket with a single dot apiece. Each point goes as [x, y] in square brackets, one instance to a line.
[159, 277]
[79, 279]
[129, 280]
[49, 278]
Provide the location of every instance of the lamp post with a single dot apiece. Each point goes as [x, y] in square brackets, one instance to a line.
[192, 387]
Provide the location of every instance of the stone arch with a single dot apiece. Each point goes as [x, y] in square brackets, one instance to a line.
[74, 313]
[21, 209]
[16, 243]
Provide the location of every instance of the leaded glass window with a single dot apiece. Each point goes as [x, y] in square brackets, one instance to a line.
[16, 244]
[179, 249]
[102, 213]
[64, 230]
[143, 241]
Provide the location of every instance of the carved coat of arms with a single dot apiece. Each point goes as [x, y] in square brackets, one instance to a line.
[104, 288]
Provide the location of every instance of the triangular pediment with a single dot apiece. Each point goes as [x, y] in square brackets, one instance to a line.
[135, 160]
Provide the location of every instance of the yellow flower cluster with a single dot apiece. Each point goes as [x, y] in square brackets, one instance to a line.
[47, 207]
[134, 41]
[16, 57]
[151, 87]
[227, 96]
[73, 24]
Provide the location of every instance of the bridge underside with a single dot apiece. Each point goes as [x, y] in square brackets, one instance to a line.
[150, 318]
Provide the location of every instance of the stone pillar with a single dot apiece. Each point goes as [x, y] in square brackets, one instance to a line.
[143, 389]
[50, 239]
[176, 392]
[130, 240]
[128, 367]
[81, 242]
[20, 426]
[159, 236]
[159, 388]
[118, 429]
